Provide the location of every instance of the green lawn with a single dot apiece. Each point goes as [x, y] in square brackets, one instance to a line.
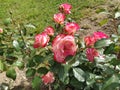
[40, 12]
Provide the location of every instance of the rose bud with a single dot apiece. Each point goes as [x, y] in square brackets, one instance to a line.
[48, 78]
[49, 31]
[91, 53]
[71, 28]
[65, 8]
[59, 18]
[41, 40]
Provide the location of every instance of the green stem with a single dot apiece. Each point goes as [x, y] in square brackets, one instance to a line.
[50, 87]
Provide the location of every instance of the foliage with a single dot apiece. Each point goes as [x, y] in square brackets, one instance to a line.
[76, 70]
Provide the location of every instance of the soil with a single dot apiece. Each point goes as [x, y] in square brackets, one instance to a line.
[89, 24]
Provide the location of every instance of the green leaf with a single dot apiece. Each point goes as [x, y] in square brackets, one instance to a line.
[79, 74]
[109, 49]
[117, 48]
[7, 21]
[4, 86]
[16, 44]
[102, 43]
[38, 59]
[117, 14]
[36, 82]
[11, 73]
[30, 26]
[111, 83]
[99, 10]
[114, 62]
[104, 21]
[115, 38]
[19, 64]
[63, 74]
[75, 83]
[118, 29]
[90, 79]
[30, 72]
[62, 71]
[42, 70]
[31, 63]
[1, 66]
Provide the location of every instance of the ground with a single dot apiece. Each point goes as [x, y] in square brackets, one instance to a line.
[90, 23]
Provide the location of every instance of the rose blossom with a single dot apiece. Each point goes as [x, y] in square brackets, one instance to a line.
[1, 30]
[48, 78]
[65, 8]
[99, 35]
[63, 46]
[41, 40]
[49, 30]
[71, 28]
[89, 40]
[59, 18]
[91, 53]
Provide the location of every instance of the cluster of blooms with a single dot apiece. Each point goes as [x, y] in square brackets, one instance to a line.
[63, 44]
[63, 40]
[91, 52]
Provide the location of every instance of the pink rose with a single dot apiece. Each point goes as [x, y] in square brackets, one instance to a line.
[63, 46]
[65, 8]
[91, 53]
[1, 30]
[48, 78]
[41, 40]
[89, 40]
[59, 18]
[100, 35]
[71, 28]
[49, 30]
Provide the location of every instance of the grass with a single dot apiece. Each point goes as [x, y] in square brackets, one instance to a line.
[40, 12]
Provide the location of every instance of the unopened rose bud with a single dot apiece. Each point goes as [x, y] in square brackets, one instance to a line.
[1, 30]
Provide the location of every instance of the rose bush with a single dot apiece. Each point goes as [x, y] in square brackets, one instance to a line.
[58, 58]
